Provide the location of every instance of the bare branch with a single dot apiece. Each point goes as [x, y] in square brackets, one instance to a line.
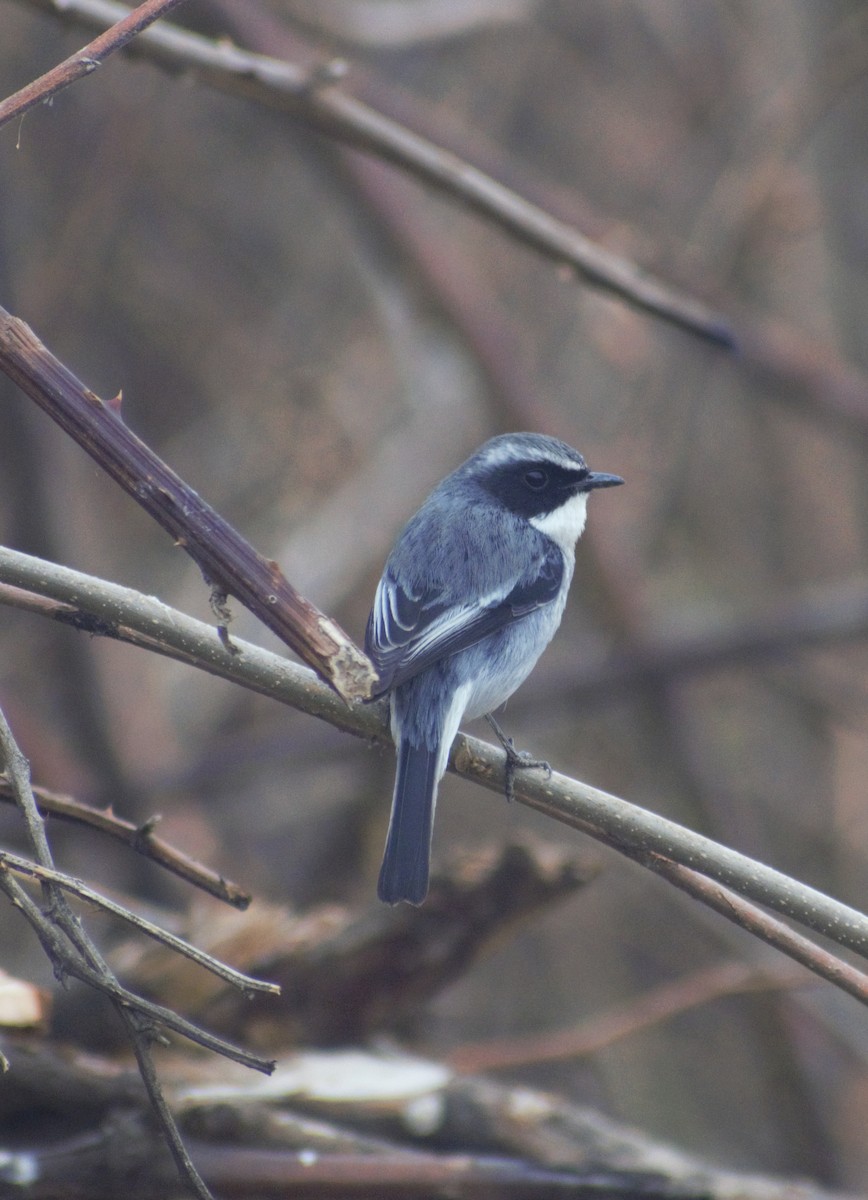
[640, 835]
[310, 96]
[73, 953]
[104, 609]
[86, 60]
[140, 838]
[22, 866]
[599, 1032]
[775, 933]
[225, 558]
[68, 960]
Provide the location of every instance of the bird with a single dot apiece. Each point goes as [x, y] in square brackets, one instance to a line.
[471, 594]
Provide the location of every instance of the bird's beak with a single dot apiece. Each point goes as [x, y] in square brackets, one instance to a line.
[596, 479]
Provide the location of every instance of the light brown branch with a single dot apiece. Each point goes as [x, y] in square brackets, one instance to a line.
[310, 95]
[140, 838]
[640, 835]
[624, 1020]
[86, 60]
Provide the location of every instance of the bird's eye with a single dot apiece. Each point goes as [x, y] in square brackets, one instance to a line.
[536, 479]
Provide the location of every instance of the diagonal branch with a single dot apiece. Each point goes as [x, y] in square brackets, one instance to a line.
[104, 608]
[87, 966]
[140, 838]
[605, 1029]
[228, 562]
[86, 60]
[22, 866]
[310, 96]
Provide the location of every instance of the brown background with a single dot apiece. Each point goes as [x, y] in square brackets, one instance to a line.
[312, 340]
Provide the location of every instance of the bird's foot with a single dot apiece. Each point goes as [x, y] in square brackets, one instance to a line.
[516, 760]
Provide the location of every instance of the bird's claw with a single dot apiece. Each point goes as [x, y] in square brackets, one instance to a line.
[516, 760]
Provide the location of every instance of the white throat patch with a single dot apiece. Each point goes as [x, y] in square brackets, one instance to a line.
[564, 525]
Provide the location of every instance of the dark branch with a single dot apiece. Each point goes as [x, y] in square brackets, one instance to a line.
[225, 558]
[21, 866]
[72, 952]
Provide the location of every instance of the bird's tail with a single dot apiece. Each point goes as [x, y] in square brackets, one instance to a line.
[404, 873]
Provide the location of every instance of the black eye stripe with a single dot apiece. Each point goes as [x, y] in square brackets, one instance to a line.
[534, 486]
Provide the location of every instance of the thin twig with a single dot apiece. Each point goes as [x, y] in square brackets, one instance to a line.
[72, 952]
[107, 608]
[310, 95]
[22, 866]
[828, 966]
[140, 838]
[598, 1032]
[85, 60]
[70, 961]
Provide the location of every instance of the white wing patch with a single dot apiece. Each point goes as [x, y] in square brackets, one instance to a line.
[388, 626]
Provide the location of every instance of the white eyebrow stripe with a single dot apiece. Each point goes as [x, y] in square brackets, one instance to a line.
[505, 455]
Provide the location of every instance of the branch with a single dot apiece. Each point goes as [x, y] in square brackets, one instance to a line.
[773, 932]
[71, 951]
[228, 562]
[68, 960]
[645, 837]
[86, 60]
[22, 866]
[597, 1033]
[140, 838]
[103, 609]
[310, 96]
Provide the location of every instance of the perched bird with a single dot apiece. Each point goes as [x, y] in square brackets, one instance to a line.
[471, 594]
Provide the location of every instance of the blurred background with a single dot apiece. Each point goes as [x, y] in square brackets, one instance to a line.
[311, 339]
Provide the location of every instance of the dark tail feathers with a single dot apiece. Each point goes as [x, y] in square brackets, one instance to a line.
[404, 873]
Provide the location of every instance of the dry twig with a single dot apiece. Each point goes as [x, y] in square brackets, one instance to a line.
[72, 952]
[86, 60]
[311, 96]
[140, 838]
[598, 1032]
[22, 866]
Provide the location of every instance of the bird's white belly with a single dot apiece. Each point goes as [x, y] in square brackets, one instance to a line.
[502, 674]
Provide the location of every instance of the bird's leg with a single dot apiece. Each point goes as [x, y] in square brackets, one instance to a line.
[516, 760]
